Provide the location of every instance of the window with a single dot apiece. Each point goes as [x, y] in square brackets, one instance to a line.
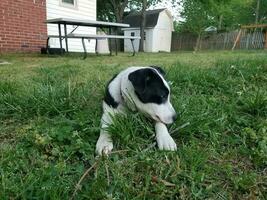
[132, 34]
[68, 3]
[144, 35]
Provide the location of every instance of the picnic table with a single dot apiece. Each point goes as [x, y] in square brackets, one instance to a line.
[88, 23]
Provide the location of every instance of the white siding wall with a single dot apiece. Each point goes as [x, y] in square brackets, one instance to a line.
[147, 43]
[163, 33]
[127, 43]
[157, 39]
[85, 9]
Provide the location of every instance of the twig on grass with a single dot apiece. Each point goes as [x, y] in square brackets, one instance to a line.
[180, 127]
[155, 179]
[78, 185]
[150, 147]
[118, 152]
[107, 171]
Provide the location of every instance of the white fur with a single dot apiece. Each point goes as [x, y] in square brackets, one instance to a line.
[164, 140]
[122, 90]
[104, 143]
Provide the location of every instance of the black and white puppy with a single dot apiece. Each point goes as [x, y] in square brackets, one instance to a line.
[143, 89]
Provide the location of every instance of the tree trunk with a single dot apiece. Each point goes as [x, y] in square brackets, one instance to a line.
[220, 22]
[142, 27]
[119, 9]
[118, 16]
[197, 43]
[257, 12]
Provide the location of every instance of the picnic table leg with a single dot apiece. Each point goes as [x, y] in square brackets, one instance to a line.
[60, 41]
[116, 46]
[84, 49]
[66, 37]
[96, 43]
[116, 42]
[47, 45]
[109, 42]
[133, 47]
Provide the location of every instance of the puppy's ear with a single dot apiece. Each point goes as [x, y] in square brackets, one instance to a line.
[141, 78]
[138, 80]
[159, 69]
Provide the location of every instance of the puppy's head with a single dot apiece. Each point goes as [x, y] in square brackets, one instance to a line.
[153, 94]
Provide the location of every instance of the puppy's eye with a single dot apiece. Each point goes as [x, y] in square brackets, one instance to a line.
[163, 96]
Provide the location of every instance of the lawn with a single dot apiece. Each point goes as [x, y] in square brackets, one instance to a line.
[50, 109]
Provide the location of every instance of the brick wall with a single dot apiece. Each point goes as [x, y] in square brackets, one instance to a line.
[22, 27]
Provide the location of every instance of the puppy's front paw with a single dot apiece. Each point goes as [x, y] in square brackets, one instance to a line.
[103, 146]
[165, 142]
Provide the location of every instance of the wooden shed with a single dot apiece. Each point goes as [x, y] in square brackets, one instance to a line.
[158, 30]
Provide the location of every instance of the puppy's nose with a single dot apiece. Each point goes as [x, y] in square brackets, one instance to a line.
[174, 117]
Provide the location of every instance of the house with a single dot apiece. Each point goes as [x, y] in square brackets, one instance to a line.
[23, 28]
[158, 30]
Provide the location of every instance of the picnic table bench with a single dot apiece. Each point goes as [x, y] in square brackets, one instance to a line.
[89, 23]
[96, 37]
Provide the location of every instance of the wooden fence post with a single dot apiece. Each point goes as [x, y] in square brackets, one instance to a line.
[248, 40]
[224, 41]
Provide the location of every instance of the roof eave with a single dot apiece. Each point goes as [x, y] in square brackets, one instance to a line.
[134, 28]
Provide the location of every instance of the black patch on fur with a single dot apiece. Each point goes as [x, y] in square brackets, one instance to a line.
[108, 98]
[159, 69]
[149, 86]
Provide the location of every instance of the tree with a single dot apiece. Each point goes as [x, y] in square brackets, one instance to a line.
[111, 10]
[143, 24]
[105, 11]
[261, 11]
[257, 12]
[220, 9]
[143, 5]
[242, 12]
[224, 14]
[196, 18]
[114, 10]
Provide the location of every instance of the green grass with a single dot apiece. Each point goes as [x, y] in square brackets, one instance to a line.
[50, 109]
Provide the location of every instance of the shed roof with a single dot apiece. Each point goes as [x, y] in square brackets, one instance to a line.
[134, 18]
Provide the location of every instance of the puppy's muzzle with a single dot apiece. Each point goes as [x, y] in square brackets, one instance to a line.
[174, 117]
